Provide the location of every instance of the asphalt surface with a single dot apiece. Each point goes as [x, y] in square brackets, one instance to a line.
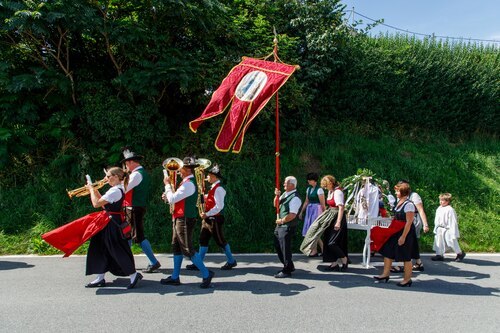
[47, 294]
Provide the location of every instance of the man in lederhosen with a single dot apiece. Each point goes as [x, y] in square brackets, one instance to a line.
[213, 219]
[289, 204]
[136, 197]
[183, 220]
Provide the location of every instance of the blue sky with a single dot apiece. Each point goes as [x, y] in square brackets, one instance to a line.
[455, 18]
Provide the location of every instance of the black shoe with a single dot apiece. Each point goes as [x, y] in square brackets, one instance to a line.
[138, 277]
[407, 284]
[282, 275]
[152, 268]
[97, 284]
[460, 257]
[332, 268]
[192, 267]
[381, 278]
[207, 281]
[418, 267]
[171, 282]
[344, 267]
[437, 258]
[227, 266]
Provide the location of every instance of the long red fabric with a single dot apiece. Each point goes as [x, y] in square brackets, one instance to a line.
[71, 236]
[380, 235]
[246, 89]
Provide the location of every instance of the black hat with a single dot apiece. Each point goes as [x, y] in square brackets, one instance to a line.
[129, 155]
[190, 162]
[215, 170]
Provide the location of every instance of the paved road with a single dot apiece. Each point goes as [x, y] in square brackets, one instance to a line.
[46, 294]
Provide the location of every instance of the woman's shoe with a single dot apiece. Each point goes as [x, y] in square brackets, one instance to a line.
[407, 284]
[344, 267]
[381, 278]
[397, 269]
[97, 284]
[418, 267]
[334, 268]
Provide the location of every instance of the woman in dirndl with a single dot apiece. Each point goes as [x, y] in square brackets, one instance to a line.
[402, 245]
[335, 235]
[109, 251]
[314, 205]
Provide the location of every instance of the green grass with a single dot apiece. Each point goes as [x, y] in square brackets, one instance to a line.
[468, 169]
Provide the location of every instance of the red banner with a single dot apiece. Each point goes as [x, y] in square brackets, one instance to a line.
[247, 89]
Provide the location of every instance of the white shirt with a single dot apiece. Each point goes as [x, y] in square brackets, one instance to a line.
[113, 194]
[219, 196]
[409, 207]
[338, 197]
[320, 191]
[446, 218]
[186, 189]
[134, 179]
[295, 203]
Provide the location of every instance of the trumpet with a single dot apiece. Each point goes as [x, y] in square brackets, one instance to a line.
[200, 181]
[83, 191]
[171, 166]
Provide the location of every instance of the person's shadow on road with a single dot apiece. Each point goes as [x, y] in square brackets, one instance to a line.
[8, 265]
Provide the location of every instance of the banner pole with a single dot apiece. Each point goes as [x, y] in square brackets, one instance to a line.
[277, 149]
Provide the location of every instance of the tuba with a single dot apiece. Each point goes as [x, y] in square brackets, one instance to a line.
[83, 191]
[199, 173]
[171, 165]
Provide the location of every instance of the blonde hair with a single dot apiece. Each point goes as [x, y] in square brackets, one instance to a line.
[445, 196]
[329, 179]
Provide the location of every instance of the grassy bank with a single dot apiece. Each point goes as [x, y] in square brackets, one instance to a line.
[468, 169]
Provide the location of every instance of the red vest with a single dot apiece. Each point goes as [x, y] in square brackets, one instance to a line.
[210, 199]
[187, 206]
[331, 202]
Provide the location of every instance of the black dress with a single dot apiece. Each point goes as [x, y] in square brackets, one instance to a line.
[108, 251]
[335, 241]
[409, 250]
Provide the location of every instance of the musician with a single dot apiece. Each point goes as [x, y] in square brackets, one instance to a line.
[289, 205]
[108, 251]
[136, 197]
[183, 221]
[213, 219]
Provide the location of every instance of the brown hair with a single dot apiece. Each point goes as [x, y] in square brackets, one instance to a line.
[120, 173]
[403, 188]
[445, 196]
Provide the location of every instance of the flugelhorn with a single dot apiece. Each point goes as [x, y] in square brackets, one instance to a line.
[172, 165]
[199, 173]
[83, 191]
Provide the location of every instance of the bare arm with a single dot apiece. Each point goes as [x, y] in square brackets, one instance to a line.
[95, 197]
[339, 217]
[421, 212]
[409, 221]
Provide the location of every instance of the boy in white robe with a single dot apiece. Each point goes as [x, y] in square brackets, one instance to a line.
[446, 230]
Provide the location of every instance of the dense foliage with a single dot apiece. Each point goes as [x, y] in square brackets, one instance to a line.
[79, 79]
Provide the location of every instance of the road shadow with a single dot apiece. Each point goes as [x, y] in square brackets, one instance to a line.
[434, 286]
[8, 265]
[256, 287]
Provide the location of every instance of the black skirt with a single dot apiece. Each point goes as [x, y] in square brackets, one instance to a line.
[109, 252]
[409, 250]
[335, 241]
